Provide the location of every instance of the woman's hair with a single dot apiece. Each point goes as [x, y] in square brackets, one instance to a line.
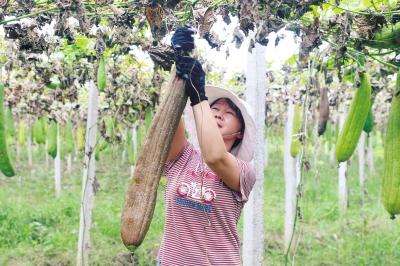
[238, 115]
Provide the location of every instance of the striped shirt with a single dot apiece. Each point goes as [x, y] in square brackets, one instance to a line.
[201, 213]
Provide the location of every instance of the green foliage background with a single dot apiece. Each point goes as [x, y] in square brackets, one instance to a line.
[38, 229]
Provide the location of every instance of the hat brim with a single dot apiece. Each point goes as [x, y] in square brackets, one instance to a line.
[245, 149]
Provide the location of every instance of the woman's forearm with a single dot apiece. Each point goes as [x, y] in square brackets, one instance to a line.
[210, 140]
[178, 142]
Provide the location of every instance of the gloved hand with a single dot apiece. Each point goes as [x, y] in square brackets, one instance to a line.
[182, 40]
[191, 70]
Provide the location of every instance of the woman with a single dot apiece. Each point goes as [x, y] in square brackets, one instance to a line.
[207, 189]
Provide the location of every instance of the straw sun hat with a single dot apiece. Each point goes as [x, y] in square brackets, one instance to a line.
[245, 149]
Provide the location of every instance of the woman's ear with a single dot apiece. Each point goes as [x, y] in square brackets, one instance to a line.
[240, 135]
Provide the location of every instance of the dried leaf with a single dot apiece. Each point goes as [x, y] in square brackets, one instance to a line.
[238, 37]
[213, 40]
[206, 19]
[4, 3]
[306, 165]
[100, 45]
[343, 23]
[81, 15]
[323, 109]
[310, 40]
[95, 185]
[124, 19]
[247, 15]
[162, 56]
[25, 4]
[277, 39]
[172, 3]
[227, 54]
[262, 34]
[65, 4]
[224, 12]
[252, 44]
[104, 2]
[368, 25]
[154, 15]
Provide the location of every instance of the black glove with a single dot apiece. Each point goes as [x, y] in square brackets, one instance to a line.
[191, 70]
[183, 39]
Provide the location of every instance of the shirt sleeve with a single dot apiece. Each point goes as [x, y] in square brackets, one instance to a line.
[179, 160]
[247, 179]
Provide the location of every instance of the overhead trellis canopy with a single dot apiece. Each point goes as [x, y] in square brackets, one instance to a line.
[85, 31]
[349, 27]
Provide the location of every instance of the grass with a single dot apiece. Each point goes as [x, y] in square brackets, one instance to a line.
[36, 228]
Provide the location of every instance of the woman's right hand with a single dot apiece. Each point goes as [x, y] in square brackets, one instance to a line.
[192, 71]
[187, 67]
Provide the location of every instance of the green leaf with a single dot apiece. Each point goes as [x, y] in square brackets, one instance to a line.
[292, 60]
[82, 42]
[128, 59]
[315, 11]
[361, 60]
[326, 7]
[366, 3]
[392, 3]
[148, 117]
[359, 5]
[109, 51]
[54, 82]
[375, 4]
[349, 77]
[330, 64]
[103, 22]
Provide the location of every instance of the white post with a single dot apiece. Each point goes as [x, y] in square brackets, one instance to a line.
[76, 153]
[29, 139]
[123, 156]
[266, 151]
[370, 156]
[290, 178]
[298, 170]
[69, 162]
[317, 152]
[132, 170]
[89, 181]
[18, 151]
[332, 153]
[326, 148]
[253, 253]
[361, 159]
[47, 154]
[57, 164]
[343, 197]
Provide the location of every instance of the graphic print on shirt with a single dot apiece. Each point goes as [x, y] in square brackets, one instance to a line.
[193, 196]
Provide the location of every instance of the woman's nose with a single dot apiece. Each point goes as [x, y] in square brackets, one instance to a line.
[219, 116]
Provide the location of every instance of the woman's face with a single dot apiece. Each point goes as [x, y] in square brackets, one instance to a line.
[226, 118]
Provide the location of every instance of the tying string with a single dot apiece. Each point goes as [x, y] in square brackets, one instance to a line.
[202, 170]
[202, 167]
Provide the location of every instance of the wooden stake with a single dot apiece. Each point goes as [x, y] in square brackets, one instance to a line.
[290, 179]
